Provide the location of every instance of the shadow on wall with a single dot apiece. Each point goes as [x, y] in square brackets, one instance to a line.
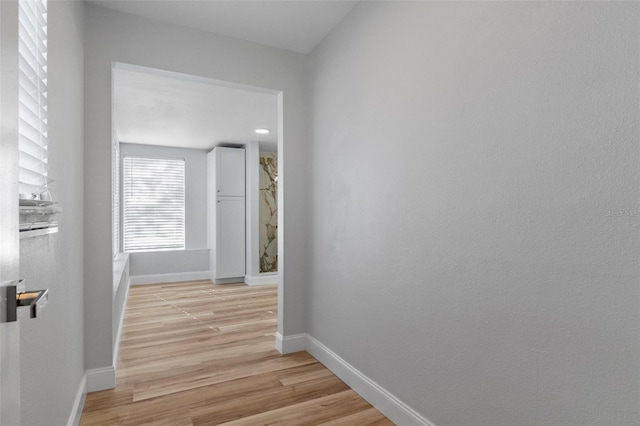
[268, 212]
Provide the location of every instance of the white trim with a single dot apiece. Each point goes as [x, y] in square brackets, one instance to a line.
[290, 344]
[261, 279]
[116, 347]
[101, 378]
[169, 278]
[120, 267]
[232, 280]
[194, 78]
[383, 400]
[78, 403]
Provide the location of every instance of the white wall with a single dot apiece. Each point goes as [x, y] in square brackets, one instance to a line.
[195, 257]
[465, 160]
[52, 354]
[169, 262]
[252, 164]
[115, 37]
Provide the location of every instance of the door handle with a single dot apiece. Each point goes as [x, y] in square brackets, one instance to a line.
[34, 301]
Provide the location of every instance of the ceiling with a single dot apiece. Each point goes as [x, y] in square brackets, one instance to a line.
[292, 25]
[159, 108]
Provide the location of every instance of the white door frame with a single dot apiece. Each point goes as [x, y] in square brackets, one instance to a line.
[9, 239]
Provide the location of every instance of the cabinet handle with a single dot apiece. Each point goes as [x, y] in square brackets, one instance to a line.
[218, 190]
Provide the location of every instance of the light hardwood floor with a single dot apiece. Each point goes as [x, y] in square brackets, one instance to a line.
[196, 353]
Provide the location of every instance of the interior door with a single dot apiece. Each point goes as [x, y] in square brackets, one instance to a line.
[9, 242]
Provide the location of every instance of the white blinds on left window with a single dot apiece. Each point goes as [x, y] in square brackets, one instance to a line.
[37, 210]
[33, 126]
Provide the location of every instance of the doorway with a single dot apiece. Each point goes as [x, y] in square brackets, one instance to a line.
[166, 115]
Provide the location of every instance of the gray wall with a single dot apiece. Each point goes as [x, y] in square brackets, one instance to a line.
[115, 37]
[169, 262]
[52, 356]
[474, 241]
[195, 257]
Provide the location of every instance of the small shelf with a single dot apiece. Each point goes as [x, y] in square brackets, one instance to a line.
[36, 203]
[38, 232]
[37, 218]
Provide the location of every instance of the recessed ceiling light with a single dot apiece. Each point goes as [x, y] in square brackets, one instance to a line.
[262, 131]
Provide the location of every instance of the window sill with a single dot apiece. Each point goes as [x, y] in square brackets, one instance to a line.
[38, 232]
[162, 250]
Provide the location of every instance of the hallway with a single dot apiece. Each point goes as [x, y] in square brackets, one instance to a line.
[202, 354]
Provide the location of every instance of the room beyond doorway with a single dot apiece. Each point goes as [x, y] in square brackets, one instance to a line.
[165, 115]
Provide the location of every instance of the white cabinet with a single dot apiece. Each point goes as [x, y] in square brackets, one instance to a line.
[230, 238]
[226, 169]
[229, 171]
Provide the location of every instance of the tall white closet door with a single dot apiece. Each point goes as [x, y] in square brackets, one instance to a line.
[229, 172]
[230, 237]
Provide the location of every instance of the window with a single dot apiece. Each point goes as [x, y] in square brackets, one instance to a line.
[36, 207]
[153, 198]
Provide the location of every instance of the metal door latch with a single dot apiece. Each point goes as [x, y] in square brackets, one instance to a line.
[35, 301]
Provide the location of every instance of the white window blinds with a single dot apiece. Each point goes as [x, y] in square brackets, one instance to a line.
[153, 198]
[33, 129]
[37, 210]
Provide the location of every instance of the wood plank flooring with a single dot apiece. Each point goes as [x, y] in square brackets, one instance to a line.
[196, 353]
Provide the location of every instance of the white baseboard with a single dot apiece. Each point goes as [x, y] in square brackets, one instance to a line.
[116, 347]
[383, 400]
[290, 344]
[101, 378]
[261, 279]
[236, 280]
[78, 403]
[169, 278]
